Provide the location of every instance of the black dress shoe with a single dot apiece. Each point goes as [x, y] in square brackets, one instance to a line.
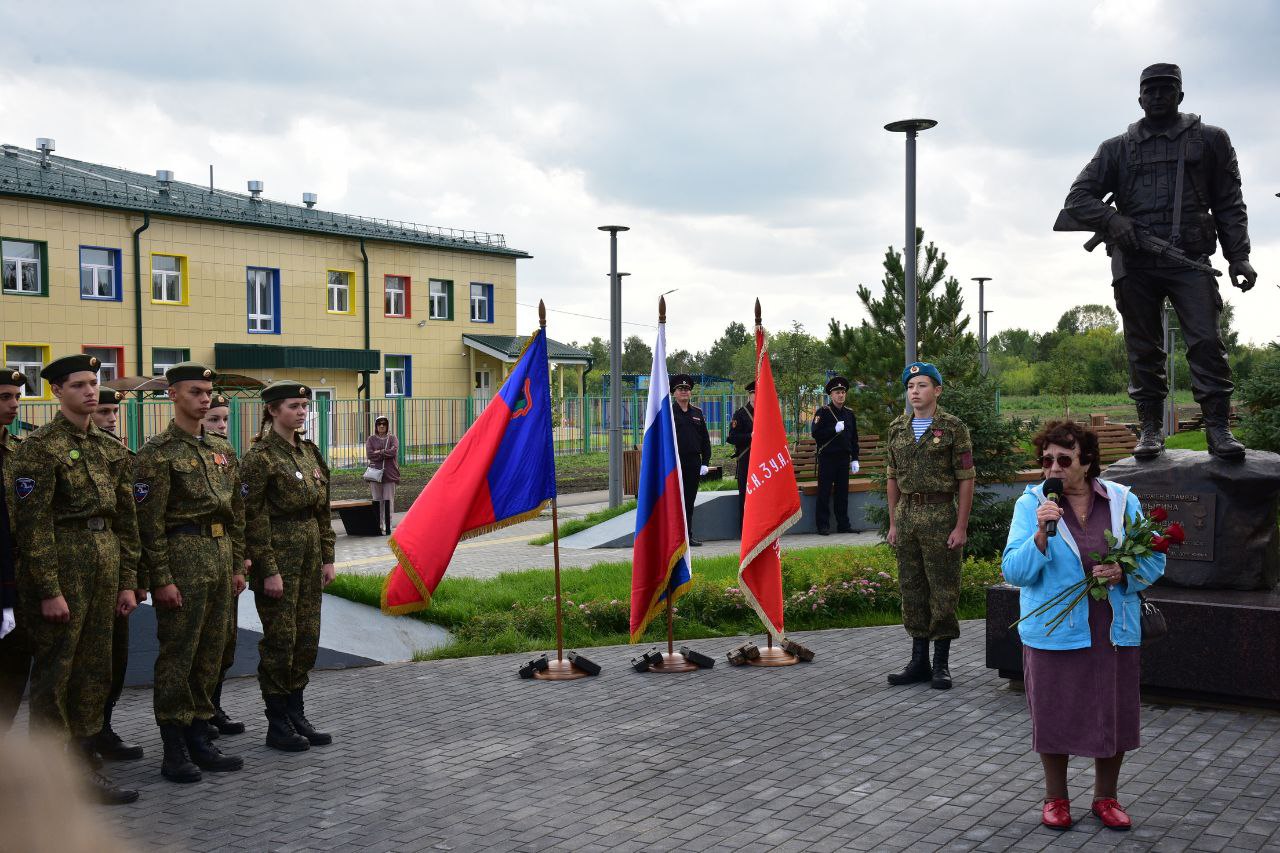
[823, 532]
[697, 543]
[844, 530]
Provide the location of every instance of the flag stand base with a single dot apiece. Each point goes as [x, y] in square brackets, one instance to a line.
[559, 670]
[774, 656]
[673, 662]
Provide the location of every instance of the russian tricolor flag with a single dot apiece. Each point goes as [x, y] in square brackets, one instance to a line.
[660, 559]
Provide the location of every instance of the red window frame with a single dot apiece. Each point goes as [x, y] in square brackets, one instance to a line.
[408, 291]
[120, 362]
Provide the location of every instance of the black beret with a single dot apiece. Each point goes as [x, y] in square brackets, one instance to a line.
[837, 382]
[13, 377]
[284, 389]
[218, 401]
[61, 368]
[189, 370]
[109, 397]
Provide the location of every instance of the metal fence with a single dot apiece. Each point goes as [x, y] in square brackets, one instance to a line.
[427, 427]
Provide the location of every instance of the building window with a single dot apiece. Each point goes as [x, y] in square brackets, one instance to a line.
[23, 267]
[399, 375]
[166, 279]
[263, 293]
[110, 359]
[396, 288]
[30, 359]
[481, 303]
[441, 299]
[99, 273]
[162, 358]
[340, 301]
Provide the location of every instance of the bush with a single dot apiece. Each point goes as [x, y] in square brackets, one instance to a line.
[1259, 399]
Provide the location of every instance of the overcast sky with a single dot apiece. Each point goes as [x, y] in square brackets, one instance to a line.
[741, 141]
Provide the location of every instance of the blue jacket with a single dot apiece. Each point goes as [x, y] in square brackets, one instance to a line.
[1042, 576]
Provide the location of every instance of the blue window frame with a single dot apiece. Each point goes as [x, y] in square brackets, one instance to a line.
[100, 273]
[481, 302]
[262, 286]
[398, 373]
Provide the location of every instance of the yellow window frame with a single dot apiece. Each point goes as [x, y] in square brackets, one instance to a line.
[184, 279]
[351, 292]
[45, 392]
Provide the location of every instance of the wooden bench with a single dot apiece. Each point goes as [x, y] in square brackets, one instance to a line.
[359, 516]
[871, 461]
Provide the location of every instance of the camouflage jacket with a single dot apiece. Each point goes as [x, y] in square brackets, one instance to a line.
[937, 462]
[63, 475]
[281, 484]
[8, 562]
[180, 479]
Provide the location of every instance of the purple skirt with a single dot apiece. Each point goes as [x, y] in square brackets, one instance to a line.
[1084, 701]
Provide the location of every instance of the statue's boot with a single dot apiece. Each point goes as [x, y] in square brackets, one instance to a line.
[1217, 429]
[1150, 423]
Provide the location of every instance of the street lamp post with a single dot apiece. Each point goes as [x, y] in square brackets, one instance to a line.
[982, 323]
[615, 367]
[910, 127]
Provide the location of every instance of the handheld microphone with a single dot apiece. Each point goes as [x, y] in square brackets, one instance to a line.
[1052, 492]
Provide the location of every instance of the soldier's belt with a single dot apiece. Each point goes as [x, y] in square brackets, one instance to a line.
[301, 515]
[96, 523]
[929, 497]
[215, 530]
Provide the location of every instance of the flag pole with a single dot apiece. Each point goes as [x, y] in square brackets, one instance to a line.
[558, 669]
[672, 661]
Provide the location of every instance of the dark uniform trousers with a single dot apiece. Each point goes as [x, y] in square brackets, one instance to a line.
[15, 670]
[744, 470]
[689, 468]
[1140, 296]
[833, 481]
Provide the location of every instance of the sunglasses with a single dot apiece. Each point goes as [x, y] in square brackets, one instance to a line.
[1064, 461]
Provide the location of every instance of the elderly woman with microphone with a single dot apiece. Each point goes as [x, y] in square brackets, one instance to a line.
[1081, 674]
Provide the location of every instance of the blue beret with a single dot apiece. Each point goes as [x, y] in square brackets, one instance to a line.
[920, 368]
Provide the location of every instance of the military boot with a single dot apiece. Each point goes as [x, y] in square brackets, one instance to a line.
[918, 668]
[1217, 429]
[941, 662]
[300, 723]
[280, 731]
[221, 722]
[102, 789]
[1151, 425]
[177, 765]
[205, 755]
[110, 745]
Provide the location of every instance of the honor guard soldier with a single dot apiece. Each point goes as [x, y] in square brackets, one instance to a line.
[109, 744]
[693, 444]
[835, 432]
[740, 429]
[216, 422]
[15, 650]
[78, 540]
[191, 519]
[290, 542]
[930, 462]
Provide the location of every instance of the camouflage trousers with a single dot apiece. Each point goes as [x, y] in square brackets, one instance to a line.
[15, 671]
[928, 571]
[192, 636]
[291, 623]
[233, 630]
[71, 672]
[119, 658]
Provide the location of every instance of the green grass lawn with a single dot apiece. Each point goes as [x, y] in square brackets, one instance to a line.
[1118, 407]
[831, 587]
[1193, 440]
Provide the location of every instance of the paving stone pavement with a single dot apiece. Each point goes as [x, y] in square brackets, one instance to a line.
[462, 755]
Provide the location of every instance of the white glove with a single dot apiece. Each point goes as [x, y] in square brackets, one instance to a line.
[7, 622]
[853, 467]
[839, 426]
[702, 470]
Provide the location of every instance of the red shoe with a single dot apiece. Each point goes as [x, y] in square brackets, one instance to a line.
[1056, 814]
[1111, 813]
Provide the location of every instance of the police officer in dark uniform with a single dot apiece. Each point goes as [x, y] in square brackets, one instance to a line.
[1177, 179]
[740, 429]
[835, 431]
[109, 744]
[693, 443]
[15, 649]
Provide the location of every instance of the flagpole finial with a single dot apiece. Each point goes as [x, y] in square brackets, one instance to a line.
[662, 309]
[542, 314]
[758, 323]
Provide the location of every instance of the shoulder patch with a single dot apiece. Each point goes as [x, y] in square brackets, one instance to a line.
[244, 490]
[23, 486]
[141, 491]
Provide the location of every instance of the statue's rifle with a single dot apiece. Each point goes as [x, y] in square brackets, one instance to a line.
[1147, 242]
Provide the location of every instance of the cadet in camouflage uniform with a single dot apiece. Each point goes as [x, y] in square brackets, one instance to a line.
[191, 520]
[109, 744]
[290, 545]
[15, 650]
[78, 538]
[215, 423]
[930, 461]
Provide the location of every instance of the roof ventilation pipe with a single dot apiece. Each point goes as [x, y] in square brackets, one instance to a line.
[45, 146]
[165, 179]
[255, 190]
[309, 199]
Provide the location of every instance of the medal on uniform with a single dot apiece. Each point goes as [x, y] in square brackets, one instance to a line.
[316, 474]
[298, 474]
[74, 454]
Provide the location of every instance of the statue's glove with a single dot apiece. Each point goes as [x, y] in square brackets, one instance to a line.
[1120, 230]
[1242, 270]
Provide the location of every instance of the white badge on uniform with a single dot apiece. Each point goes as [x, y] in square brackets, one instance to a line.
[298, 474]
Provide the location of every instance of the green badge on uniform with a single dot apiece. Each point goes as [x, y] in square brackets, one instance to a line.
[75, 454]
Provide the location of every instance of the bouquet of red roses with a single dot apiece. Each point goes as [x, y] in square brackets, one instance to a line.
[1143, 537]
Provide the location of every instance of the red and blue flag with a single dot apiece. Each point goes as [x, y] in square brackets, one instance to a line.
[660, 564]
[502, 472]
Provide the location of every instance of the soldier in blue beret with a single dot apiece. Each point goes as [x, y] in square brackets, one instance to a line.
[929, 488]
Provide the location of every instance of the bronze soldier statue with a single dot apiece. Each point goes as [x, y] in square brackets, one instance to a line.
[1175, 185]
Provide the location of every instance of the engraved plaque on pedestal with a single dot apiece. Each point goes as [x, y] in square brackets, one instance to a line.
[1195, 511]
